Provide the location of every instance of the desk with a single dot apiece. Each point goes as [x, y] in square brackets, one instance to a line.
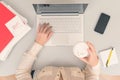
[63, 56]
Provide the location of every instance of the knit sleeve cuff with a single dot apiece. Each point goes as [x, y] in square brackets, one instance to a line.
[35, 49]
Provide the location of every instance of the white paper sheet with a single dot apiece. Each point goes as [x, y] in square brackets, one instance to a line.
[104, 56]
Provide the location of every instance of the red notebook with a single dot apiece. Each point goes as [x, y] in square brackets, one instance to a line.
[5, 35]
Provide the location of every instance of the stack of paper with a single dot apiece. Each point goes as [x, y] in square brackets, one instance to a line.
[16, 27]
[105, 54]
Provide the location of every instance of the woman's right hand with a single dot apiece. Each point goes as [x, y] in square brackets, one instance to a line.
[44, 33]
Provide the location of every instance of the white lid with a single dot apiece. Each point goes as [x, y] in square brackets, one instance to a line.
[80, 50]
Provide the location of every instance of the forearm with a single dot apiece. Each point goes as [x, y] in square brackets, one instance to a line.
[92, 73]
[27, 61]
[44, 33]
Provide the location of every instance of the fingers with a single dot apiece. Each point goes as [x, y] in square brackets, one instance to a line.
[47, 26]
[50, 35]
[84, 60]
[39, 28]
[49, 32]
[90, 52]
[91, 47]
[44, 28]
[49, 29]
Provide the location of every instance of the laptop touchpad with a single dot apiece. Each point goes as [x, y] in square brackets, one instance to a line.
[60, 39]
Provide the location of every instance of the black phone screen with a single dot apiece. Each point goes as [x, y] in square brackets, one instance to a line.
[102, 23]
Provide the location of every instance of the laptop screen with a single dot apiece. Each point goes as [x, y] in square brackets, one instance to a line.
[59, 8]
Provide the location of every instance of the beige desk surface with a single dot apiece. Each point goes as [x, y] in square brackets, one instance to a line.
[63, 56]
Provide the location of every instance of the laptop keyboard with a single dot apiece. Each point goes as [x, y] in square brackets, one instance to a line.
[64, 24]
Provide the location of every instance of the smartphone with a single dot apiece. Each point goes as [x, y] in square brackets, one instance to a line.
[102, 23]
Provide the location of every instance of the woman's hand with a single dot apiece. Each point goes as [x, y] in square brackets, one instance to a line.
[92, 59]
[44, 33]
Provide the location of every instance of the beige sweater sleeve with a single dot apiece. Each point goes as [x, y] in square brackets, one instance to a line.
[23, 70]
[92, 73]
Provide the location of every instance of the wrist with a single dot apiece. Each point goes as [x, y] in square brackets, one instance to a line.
[96, 61]
[35, 48]
[95, 64]
[40, 43]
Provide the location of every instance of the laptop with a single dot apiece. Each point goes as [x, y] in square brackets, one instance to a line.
[67, 21]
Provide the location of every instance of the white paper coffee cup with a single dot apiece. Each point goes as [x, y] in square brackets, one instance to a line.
[80, 50]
